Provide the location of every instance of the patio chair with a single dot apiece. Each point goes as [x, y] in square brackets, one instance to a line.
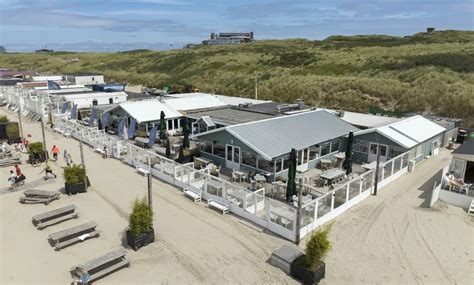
[285, 222]
[273, 217]
[234, 177]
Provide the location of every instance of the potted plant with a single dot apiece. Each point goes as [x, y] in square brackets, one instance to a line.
[140, 232]
[36, 153]
[310, 268]
[214, 171]
[75, 179]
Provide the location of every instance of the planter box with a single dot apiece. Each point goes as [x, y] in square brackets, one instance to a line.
[141, 240]
[305, 275]
[72, 189]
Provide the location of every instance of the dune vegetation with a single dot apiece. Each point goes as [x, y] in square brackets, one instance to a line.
[428, 73]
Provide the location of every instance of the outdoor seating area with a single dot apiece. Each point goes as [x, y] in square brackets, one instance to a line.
[54, 217]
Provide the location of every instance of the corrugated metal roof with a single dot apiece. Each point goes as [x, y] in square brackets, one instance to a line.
[467, 148]
[193, 102]
[235, 101]
[409, 132]
[148, 110]
[277, 136]
[229, 115]
[364, 120]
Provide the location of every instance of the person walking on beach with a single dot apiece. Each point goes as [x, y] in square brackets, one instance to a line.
[83, 277]
[55, 152]
[48, 170]
[67, 158]
[12, 179]
[104, 152]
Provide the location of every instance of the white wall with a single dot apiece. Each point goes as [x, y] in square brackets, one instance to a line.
[455, 199]
[85, 100]
[89, 79]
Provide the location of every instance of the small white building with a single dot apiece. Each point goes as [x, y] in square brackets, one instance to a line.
[85, 79]
[47, 77]
[88, 99]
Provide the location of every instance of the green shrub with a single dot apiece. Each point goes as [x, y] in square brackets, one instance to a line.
[74, 174]
[141, 217]
[13, 132]
[3, 119]
[317, 246]
[35, 148]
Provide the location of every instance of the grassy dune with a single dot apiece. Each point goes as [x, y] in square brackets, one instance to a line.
[425, 73]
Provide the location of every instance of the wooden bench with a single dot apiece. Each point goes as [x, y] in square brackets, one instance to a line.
[34, 196]
[53, 217]
[73, 235]
[219, 206]
[193, 195]
[102, 265]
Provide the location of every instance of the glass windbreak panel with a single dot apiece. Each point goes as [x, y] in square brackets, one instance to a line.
[387, 169]
[339, 197]
[219, 150]
[278, 163]
[367, 181]
[206, 147]
[282, 214]
[335, 145]
[324, 149]
[313, 152]
[305, 155]
[249, 159]
[324, 205]
[236, 155]
[307, 214]
[405, 160]
[458, 167]
[397, 164]
[265, 165]
[262, 211]
[229, 152]
[286, 163]
[354, 187]
[251, 203]
[235, 195]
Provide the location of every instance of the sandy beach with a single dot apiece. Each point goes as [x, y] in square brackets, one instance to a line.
[389, 238]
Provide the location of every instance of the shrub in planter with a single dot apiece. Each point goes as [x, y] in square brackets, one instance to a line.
[36, 152]
[13, 132]
[310, 268]
[140, 232]
[280, 178]
[74, 179]
[4, 119]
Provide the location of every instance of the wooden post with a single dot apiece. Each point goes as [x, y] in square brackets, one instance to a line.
[377, 170]
[19, 124]
[44, 139]
[298, 210]
[149, 191]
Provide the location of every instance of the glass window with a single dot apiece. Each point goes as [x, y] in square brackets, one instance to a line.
[175, 125]
[236, 154]
[219, 150]
[383, 150]
[335, 145]
[373, 148]
[94, 102]
[229, 152]
[305, 155]
[313, 152]
[324, 149]
[111, 100]
[361, 146]
[170, 124]
[286, 162]
[206, 146]
[278, 163]
[249, 159]
[265, 165]
[458, 168]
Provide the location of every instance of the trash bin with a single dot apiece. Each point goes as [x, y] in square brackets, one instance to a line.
[462, 134]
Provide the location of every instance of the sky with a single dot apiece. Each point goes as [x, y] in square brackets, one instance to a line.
[117, 25]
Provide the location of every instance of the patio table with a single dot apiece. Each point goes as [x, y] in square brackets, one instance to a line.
[325, 163]
[240, 174]
[332, 174]
[260, 179]
[202, 160]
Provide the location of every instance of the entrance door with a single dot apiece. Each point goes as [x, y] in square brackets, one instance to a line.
[232, 157]
[434, 147]
[302, 160]
[373, 152]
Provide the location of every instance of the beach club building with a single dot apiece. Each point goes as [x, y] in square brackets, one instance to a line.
[264, 146]
[416, 135]
[463, 161]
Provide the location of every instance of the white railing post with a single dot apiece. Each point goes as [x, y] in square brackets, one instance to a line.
[332, 200]
[348, 187]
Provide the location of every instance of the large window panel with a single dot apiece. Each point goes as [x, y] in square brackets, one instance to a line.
[313, 152]
[206, 146]
[249, 159]
[265, 165]
[278, 165]
[324, 149]
[219, 150]
[286, 162]
[335, 144]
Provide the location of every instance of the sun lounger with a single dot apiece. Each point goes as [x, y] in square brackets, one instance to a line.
[221, 207]
[55, 216]
[73, 235]
[102, 265]
[193, 195]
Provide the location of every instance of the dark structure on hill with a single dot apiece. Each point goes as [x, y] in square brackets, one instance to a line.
[229, 39]
[2, 49]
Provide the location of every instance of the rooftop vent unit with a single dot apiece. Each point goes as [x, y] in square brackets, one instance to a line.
[245, 105]
[339, 113]
[287, 107]
[300, 104]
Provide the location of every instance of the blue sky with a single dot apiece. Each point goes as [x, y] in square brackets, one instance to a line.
[110, 25]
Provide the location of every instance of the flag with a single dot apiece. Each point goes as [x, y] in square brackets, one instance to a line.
[132, 128]
[92, 117]
[64, 108]
[120, 127]
[53, 85]
[73, 111]
[152, 136]
[105, 119]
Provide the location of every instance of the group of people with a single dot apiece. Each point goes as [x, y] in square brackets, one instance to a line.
[15, 177]
[451, 180]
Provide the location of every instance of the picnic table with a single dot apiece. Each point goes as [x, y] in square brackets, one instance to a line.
[73, 235]
[56, 216]
[240, 174]
[202, 161]
[332, 174]
[34, 196]
[102, 265]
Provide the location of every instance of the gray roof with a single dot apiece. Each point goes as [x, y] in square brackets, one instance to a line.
[229, 115]
[467, 148]
[277, 136]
